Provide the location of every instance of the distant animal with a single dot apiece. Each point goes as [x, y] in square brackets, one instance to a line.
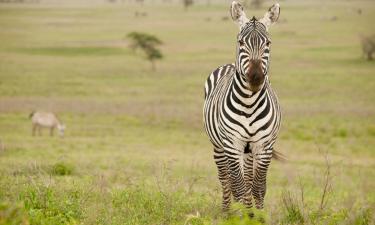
[224, 18]
[140, 14]
[368, 46]
[333, 18]
[48, 120]
[241, 112]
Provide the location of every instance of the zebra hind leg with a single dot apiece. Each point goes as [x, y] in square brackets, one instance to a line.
[222, 167]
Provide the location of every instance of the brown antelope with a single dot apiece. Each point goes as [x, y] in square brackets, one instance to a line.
[46, 120]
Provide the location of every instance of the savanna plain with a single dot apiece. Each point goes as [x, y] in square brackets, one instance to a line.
[135, 151]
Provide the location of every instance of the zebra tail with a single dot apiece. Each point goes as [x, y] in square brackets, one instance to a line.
[31, 114]
[279, 156]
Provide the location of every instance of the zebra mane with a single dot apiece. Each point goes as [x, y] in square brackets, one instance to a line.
[254, 24]
[253, 20]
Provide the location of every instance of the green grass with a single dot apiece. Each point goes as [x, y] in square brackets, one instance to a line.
[135, 151]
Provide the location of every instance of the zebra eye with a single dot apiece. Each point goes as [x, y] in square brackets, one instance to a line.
[268, 43]
[241, 42]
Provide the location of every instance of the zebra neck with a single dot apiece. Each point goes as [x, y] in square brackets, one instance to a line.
[242, 87]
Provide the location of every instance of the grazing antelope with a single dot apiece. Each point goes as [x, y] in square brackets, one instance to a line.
[46, 120]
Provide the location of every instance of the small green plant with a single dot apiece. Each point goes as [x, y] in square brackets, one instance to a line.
[12, 214]
[293, 212]
[47, 205]
[243, 216]
[239, 215]
[147, 43]
[363, 217]
[341, 132]
[62, 169]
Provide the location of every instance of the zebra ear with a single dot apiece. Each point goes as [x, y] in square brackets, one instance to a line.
[238, 14]
[271, 16]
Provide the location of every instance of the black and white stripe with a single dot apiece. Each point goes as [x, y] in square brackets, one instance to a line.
[241, 123]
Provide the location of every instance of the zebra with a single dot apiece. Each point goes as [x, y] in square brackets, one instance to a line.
[241, 112]
[47, 120]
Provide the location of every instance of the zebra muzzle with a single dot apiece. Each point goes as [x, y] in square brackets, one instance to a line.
[255, 75]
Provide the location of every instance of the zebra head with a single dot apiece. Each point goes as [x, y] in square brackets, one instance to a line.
[253, 44]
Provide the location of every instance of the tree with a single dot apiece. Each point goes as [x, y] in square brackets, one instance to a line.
[146, 43]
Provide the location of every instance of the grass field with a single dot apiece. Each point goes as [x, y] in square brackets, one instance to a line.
[135, 151]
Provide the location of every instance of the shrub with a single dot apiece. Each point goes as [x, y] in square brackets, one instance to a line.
[62, 169]
[293, 213]
[49, 205]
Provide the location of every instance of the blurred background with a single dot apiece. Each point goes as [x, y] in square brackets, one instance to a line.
[134, 149]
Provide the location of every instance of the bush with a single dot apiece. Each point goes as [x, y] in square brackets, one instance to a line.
[48, 205]
[293, 213]
[62, 169]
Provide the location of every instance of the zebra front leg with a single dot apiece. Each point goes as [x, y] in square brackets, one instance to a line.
[248, 176]
[262, 161]
[222, 167]
[236, 177]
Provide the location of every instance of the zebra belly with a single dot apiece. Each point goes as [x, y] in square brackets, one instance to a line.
[240, 129]
[246, 134]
